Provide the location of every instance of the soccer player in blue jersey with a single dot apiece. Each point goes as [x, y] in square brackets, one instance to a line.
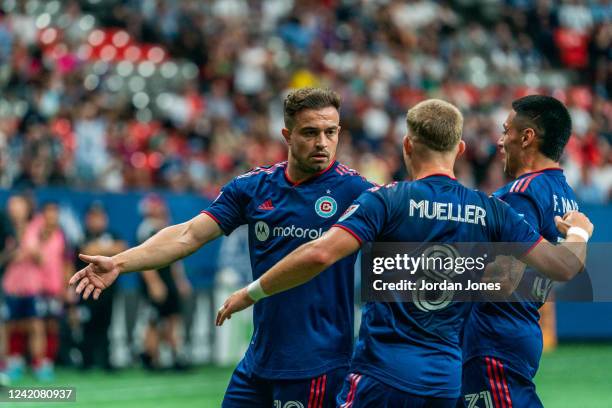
[502, 344]
[300, 349]
[405, 356]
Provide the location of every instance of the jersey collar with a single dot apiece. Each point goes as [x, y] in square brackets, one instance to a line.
[540, 171]
[314, 176]
[436, 175]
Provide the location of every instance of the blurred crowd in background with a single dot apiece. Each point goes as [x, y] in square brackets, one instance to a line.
[44, 322]
[184, 95]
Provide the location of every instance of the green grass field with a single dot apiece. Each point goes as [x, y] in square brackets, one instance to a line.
[572, 376]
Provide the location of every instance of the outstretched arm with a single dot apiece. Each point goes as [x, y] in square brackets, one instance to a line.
[168, 245]
[297, 268]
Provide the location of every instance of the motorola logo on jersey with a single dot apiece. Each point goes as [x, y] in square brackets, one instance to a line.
[326, 206]
[262, 231]
[297, 232]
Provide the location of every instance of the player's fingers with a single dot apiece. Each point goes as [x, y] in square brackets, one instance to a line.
[90, 288]
[225, 314]
[569, 214]
[220, 316]
[219, 313]
[96, 293]
[562, 225]
[82, 284]
[562, 221]
[77, 276]
[88, 258]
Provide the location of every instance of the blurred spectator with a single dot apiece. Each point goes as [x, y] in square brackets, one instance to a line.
[587, 191]
[574, 14]
[24, 284]
[56, 267]
[8, 245]
[185, 95]
[90, 147]
[164, 289]
[95, 315]
[19, 212]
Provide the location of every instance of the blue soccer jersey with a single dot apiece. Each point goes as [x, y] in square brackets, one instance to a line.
[399, 344]
[510, 330]
[307, 330]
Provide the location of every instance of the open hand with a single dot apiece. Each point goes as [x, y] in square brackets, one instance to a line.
[95, 277]
[238, 301]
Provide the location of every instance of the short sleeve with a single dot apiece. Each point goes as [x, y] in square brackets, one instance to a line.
[362, 184]
[365, 218]
[228, 209]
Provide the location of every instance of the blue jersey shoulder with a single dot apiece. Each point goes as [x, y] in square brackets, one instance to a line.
[531, 185]
[263, 171]
[360, 182]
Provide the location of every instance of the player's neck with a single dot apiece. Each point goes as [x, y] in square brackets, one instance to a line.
[537, 163]
[298, 176]
[421, 171]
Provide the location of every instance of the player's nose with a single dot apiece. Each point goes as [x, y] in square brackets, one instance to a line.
[321, 141]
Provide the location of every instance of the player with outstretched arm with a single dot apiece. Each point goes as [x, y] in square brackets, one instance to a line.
[300, 350]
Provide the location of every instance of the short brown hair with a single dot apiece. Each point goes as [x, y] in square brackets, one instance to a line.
[308, 98]
[436, 123]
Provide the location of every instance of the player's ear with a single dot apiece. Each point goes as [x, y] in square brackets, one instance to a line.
[287, 135]
[528, 137]
[408, 146]
[460, 148]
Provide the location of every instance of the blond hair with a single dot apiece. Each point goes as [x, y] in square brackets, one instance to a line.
[435, 123]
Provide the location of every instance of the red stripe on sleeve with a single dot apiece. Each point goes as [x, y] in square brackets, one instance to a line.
[517, 185]
[529, 181]
[350, 231]
[211, 216]
[513, 185]
[533, 246]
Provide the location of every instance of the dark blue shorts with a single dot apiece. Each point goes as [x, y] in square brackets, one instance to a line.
[248, 390]
[488, 382]
[24, 307]
[363, 391]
